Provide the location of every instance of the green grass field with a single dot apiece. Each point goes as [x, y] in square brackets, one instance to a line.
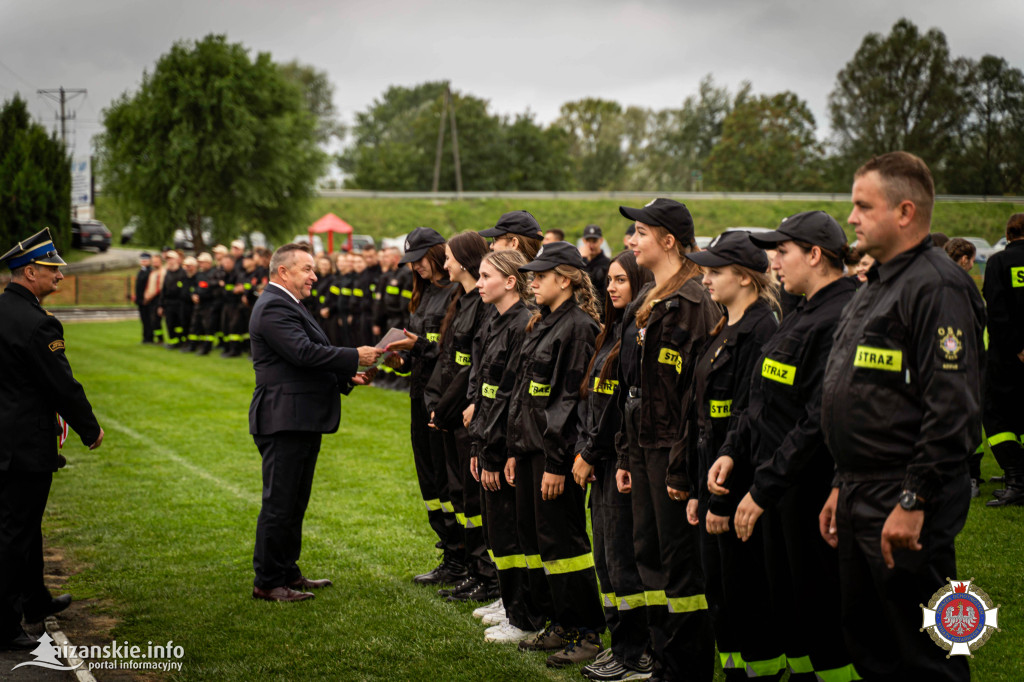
[160, 522]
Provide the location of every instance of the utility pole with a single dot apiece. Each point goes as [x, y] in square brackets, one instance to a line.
[448, 110]
[62, 96]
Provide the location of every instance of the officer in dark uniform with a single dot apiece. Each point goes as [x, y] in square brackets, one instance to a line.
[189, 267]
[172, 294]
[145, 309]
[38, 385]
[233, 285]
[597, 262]
[901, 413]
[204, 311]
[1004, 372]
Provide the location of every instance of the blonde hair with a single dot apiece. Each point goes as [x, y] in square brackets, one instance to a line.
[507, 263]
[582, 292]
[687, 271]
[764, 286]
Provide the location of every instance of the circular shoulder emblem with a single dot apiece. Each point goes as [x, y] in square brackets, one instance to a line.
[960, 618]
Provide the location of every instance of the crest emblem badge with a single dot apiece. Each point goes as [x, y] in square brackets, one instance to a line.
[960, 618]
[951, 343]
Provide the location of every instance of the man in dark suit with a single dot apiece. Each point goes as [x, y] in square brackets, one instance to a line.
[299, 376]
[37, 386]
[139, 296]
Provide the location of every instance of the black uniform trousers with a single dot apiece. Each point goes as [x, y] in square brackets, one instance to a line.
[432, 474]
[882, 607]
[739, 604]
[146, 317]
[465, 495]
[289, 460]
[803, 575]
[500, 520]
[23, 497]
[175, 323]
[1003, 411]
[622, 590]
[667, 552]
[156, 323]
[553, 535]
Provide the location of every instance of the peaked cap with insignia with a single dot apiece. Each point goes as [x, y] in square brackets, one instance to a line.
[38, 248]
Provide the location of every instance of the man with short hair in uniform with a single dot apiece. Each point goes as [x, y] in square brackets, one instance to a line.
[597, 262]
[204, 312]
[1004, 374]
[38, 386]
[189, 266]
[139, 297]
[172, 293]
[901, 410]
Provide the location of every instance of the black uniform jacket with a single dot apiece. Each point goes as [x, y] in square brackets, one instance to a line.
[175, 288]
[446, 392]
[37, 385]
[425, 323]
[676, 332]
[298, 373]
[543, 414]
[394, 289]
[1004, 294]
[723, 390]
[498, 361]
[780, 429]
[902, 389]
[598, 413]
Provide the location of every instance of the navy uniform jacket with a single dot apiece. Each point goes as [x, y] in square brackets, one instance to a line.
[299, 375]
[37, 384]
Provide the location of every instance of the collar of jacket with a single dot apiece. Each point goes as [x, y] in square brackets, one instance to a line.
[753, 315]
[20, 290]
[1015, 244]
[894, 266]
[469, 298]
[692, 290]
[827, 293]
[549, 317]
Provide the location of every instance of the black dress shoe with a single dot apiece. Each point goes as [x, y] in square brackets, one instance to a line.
[281, 593]
[464, 585]
[484, 591]
[22, 642]
[56, 605]
[305, 583]
[448, 572]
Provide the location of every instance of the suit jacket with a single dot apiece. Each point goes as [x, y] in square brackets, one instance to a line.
[299, 375]
[37, 383]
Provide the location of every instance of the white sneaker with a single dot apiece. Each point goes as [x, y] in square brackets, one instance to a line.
[495, 617]
[490, 608]
[508, 633]
[495, 627]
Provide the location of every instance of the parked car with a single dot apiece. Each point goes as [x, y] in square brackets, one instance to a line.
[128, 231]
[983, 248]
[86, 233]
[183, 239]
[361, 240]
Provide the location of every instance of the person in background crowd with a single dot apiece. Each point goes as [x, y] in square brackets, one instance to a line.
[237, 251]
[139, 296]
[611, 511]
[368, 282]
[172, 293]
[665, 327]
[553, 235]
[154, 285]
[597, 262]
[1004, 372]
[962, 252]
[939, 239]
[321, 301]
[630, 231]
[543, 422]
[189, 265]
[252, 280]
[515, 616]
[356, 301]
[431, 293]
[862, 263]
[344, 280]
[231, 317]
[219, 253]
[391, 304]
[735, 275]
[517, 230]
[203, 311]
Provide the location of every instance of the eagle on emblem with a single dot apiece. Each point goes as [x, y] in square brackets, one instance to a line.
[960, 622]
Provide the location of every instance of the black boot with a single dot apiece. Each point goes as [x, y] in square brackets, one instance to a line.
[465, 585]
[449, 572]
[1013, 494]
[486, 590]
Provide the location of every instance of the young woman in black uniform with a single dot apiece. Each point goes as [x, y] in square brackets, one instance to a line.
[543, 423]
[735, 274]
[611, 513]
[424, 250]
[672, 318]
[780, 430]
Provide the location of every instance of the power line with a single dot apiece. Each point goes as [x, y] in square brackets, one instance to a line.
[62, 96]
[15, 74]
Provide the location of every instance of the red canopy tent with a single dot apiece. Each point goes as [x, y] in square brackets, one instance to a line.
[330, 224]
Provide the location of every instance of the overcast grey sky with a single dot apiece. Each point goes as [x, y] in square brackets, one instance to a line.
[532, 55]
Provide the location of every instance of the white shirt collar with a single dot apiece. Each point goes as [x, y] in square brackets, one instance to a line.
[290, 294]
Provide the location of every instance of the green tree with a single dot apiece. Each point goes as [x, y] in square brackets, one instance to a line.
[319, 96]
[595, 128]
[212, 133]
[901, 91]
[768, 144]
[35, 179]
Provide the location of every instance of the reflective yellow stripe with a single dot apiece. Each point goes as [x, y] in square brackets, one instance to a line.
[345, 291]
[1016, 277]
[765, 668]
[323, 299]
[335, 290]
[667, 356]
[461, 518]
[489, 391]
[447, 506]
[801, 664]
[534, 561]
[474, 521]
[777, 371]
[878, 358]
[655, 598]
[696, 602]
[357, 292]
[632, 601]
[721, 408]
[229, 287]
[730, 660]
[406, 293]
[433, 337]
[247, 286]
[539, 389]
[392, 291]
[462, 359]
[845, 674]
[504, 563]
[433, 505]
[576, 563]
[609, 599]
[607, 387]
[181, 284]
[1006, 436]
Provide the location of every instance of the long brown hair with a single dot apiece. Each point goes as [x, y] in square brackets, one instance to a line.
[468, 249]
[582, 293]
[435, 257]
[507, 263]
[638, 277]
[687, 271]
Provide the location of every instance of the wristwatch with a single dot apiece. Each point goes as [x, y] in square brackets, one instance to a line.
[910, 501]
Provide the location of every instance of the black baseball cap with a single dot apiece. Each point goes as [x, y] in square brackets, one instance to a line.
[554, 254]
[731, 248]
[419, 242]
[521, 223]
[671, 215]
[814, 227]
[592, 232]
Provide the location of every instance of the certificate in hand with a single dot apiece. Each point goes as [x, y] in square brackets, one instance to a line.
[392, 336]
